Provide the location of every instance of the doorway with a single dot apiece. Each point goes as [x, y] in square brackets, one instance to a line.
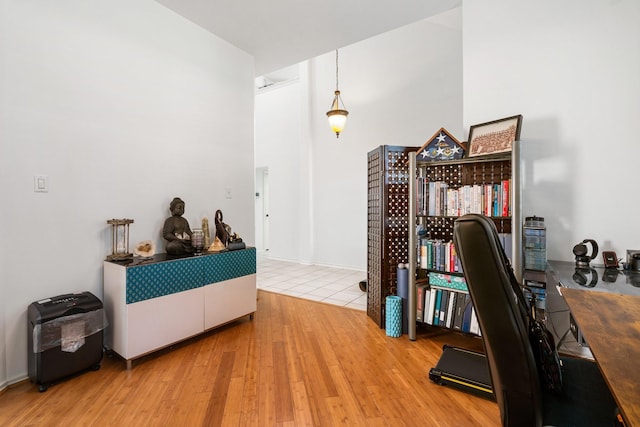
[262, 209]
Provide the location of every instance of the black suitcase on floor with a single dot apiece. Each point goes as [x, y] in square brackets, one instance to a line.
[65, 337]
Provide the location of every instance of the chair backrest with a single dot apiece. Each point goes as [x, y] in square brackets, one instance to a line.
[502, 315]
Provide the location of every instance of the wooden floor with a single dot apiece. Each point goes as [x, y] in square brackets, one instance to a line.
[297, 363]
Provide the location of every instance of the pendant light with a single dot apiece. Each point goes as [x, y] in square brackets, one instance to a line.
[337, 114]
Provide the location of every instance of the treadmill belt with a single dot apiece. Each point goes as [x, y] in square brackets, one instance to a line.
[464, 369]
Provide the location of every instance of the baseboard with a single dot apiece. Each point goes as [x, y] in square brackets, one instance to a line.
[297, 261]
[13, 383]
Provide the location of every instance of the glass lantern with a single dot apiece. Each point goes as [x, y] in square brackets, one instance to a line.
[197, 240]
[120, 231]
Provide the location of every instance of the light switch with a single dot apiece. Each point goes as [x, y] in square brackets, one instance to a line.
[41, 183]
[227, 193]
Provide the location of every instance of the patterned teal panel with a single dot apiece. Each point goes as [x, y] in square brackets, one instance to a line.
[229, 265]
[163, 278]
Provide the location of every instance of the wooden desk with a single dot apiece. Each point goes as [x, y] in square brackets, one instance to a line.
[611, 325]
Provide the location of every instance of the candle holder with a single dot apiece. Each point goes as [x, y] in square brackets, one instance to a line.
[197, 240]
[120, 232]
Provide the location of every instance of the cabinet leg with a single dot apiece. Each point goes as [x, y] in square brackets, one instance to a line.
[252, 315]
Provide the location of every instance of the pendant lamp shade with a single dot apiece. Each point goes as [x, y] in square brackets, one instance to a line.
[337, 115]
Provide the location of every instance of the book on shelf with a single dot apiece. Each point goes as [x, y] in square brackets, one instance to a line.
[459, 312]
[453, 296]
[496, 200]
[474, 327]
[466, 315]
[438, 198]
[423, 253]
[427, 301]
[487, 199]
[421, 292]
[506, 206]
[507, 244]
[444, 304]
[437, 257]
[436, 308]
[432, 304]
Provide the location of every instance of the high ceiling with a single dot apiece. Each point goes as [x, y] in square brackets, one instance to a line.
[280, 33]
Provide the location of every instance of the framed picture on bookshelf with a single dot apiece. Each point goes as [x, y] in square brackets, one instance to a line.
[441, 146]
[494, 137]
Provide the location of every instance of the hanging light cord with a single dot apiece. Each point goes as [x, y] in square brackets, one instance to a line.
[337, 69]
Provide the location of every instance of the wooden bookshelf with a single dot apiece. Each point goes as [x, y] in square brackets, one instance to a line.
[486, 176]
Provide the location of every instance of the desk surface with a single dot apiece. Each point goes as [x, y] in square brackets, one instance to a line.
[596, 278]
[611, 324]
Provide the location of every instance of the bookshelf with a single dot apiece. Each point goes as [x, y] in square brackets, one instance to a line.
[441, 192]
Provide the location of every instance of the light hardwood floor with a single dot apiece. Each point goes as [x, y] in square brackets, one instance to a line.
[297, 363]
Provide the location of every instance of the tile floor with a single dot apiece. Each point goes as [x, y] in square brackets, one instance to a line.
[330, 285]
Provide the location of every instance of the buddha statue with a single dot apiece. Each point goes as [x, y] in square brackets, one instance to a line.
[176, 230]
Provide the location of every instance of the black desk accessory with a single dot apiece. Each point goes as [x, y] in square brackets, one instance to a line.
[633, 260]
[610, 259]
[581, 252]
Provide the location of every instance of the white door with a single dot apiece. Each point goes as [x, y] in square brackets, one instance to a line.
[262, 209]
[265, 211]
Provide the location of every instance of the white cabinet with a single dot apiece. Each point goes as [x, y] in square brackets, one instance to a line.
[154, 304]
[162, 321]
[229, 300]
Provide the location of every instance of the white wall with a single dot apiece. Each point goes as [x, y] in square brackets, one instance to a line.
[124, 105]
[571, 68]
[279, 115]
[399, 87]
[4, 290]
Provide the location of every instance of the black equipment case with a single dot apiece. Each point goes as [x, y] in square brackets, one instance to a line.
[464, 369]
[65, 337]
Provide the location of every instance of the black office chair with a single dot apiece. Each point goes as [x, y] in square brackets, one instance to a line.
[501, 310]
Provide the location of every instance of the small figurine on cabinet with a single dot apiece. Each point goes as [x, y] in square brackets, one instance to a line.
[205, 230]
[216, 246]
[144, 249]
[176, 230]
[230, 240]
